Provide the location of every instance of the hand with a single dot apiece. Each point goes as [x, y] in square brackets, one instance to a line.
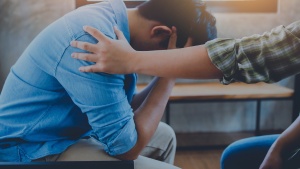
[110, 56]
[173, 40]
[273, 160]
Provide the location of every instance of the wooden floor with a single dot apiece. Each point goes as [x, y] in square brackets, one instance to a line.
[204, 150]
[198, 159]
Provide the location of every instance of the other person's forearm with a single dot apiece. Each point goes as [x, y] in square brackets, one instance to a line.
[148, 115]
[118, 57]
[191, 62]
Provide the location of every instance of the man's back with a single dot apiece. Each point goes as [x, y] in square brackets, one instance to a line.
[44, 95]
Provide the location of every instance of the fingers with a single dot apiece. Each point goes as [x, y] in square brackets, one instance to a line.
[95, 33]
[173, 39]
[85, 56]
[189, 42]
[119, 33]
[84, 46]
[92, 68]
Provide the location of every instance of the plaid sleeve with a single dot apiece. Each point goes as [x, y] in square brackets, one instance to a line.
[269, 57]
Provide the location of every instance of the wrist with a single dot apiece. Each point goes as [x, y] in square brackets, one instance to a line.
[170, 81]
[135, 66]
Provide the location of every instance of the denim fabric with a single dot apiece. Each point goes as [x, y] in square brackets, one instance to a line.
[47, 104]
[247, 153]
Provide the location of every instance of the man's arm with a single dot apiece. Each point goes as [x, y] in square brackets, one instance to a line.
[149, 114]
[139, 98]
[102, 98]
[151, 103]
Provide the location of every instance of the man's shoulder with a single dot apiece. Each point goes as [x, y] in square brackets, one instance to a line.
[99, 16]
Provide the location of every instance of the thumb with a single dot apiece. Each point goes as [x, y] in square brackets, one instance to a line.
[173, 39]
[119, 33]
[189, 42]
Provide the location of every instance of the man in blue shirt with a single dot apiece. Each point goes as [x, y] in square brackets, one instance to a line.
[50, 111]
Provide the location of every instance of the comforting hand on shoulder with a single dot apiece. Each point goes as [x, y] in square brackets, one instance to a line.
[113, 56]
[109, 55]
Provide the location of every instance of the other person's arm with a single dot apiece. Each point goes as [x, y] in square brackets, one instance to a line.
[184, 62]
[269, 57]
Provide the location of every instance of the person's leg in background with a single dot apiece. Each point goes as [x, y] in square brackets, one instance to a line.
[247, 153]
[159, 153]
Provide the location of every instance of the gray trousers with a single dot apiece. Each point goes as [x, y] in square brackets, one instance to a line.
[158, 154]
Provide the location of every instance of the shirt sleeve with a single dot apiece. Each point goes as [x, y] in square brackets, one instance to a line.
[269, 57]
[102, 98]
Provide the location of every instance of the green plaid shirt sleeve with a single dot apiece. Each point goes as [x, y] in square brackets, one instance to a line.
[269, 57]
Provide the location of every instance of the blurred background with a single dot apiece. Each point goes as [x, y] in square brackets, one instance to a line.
[22, 20]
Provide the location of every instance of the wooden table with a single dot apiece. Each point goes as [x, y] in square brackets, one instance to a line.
[216, 92]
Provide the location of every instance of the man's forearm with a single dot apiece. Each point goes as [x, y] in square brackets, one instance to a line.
[149, 114]
[192, 62]
[139, 98]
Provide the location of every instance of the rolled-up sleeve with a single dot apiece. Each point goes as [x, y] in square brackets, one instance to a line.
[103, 99]
[269, 57]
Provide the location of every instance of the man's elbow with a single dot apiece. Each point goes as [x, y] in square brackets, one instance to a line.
[134, 153]
[141, 142]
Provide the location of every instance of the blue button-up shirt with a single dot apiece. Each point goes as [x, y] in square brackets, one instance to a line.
[47, 104]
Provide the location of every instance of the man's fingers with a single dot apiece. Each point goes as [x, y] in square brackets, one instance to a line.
[85, 56]
[189, 42]
[84, 46]
[119, 33]
[173, 39]
[95, 33]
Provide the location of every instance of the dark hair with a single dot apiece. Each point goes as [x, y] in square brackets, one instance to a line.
[190, 17]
